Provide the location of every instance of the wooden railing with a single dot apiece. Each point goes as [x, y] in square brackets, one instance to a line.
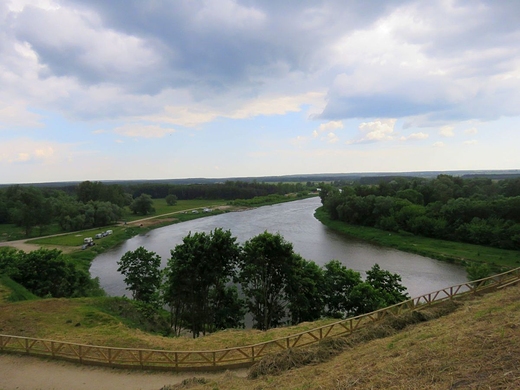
[237, 356]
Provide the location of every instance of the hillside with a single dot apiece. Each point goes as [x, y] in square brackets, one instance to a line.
[476, 346]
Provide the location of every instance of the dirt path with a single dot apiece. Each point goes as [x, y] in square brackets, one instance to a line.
[21, 244]
[27, 372]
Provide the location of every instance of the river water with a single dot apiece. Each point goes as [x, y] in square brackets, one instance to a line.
[296, 223]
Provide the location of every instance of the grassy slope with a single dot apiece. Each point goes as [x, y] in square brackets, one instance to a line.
[430, 247]
[90, 321]
[11, 291]
[477, 346]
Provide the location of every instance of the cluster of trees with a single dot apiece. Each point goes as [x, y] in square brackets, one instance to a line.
[29, 206]
[46, 273]
[211, 282]
[228, 190]
[476, 210]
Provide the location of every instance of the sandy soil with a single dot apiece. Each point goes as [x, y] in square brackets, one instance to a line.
[26, 372]
[26, 247]
[20, 244]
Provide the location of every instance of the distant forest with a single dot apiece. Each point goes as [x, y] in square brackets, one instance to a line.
[476, 210]
[362, 178]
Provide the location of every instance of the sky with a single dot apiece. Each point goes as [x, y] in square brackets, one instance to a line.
[165, 89]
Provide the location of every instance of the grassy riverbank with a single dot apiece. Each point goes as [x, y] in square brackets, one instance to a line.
[438, 249]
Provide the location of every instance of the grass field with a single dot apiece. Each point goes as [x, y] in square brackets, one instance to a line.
[438, 249]
[10, 232]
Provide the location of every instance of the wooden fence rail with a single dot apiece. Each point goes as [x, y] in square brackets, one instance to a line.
[237, 356]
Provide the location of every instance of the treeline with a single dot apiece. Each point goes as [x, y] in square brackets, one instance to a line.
[228, 190]
[211, 282]
[477, 210]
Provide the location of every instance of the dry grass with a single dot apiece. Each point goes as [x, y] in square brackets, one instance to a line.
[475, 347]
[278, 363]
[81, 321]
[4, 293]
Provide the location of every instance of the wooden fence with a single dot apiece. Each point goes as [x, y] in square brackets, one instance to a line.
[237, 356]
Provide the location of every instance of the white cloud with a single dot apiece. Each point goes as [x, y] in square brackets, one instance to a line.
[473, 130]
[277, 105]
[183, 115]
[439, 144]
[299, 141]
[17, 115]
[415, 136]
[25, 150]
[92, 51]
[447, 131]
[332, 138]
[197, 114]
[143, 131]
[472, 142]
[378, 130]
[331, 126]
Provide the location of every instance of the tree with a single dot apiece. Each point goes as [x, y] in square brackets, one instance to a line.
[46, 272]
[142, 274]
[387, 284]
[26, 207]
[304, 291]
[197, 278]
[230, 311]
[171, 200]
[364, 298]
[106, 213]
[339, 281]
[265, 272]
[477, 271]
[9, 260]
[143, 204]
[87, 191]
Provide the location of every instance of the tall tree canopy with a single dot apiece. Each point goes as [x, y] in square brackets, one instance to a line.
[265, 271]
[197, 278]
[141, 269]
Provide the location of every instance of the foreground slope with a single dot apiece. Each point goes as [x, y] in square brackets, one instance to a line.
[477, 346]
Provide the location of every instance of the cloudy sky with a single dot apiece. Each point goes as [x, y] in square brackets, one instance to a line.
[133, 89]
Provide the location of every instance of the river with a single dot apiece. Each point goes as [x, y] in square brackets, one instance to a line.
[296, 223]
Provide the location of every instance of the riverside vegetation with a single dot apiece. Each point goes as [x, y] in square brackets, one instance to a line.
[448, 218]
